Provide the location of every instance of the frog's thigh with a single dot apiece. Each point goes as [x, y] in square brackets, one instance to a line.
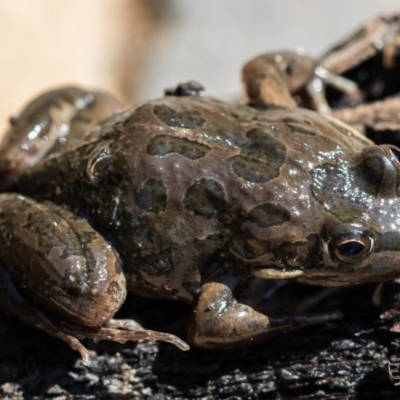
[223, 321]
[61, 263]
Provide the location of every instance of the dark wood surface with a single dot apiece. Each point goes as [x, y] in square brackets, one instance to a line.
[344, 359]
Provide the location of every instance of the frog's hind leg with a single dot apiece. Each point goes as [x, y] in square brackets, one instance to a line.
[58, 274]
[232, 314]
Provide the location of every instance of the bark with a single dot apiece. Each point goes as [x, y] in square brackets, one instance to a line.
[355, 357]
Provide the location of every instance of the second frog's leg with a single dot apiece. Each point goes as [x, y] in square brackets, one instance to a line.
[273, 79]
[322, 78]
[232, 312]
[49, 123]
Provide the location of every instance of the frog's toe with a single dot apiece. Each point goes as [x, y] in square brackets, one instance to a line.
[122, 331]
[75, 344]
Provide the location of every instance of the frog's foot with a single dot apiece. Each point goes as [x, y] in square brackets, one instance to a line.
[119, 331]
[322, 78]
[224, 320]
[122, 331]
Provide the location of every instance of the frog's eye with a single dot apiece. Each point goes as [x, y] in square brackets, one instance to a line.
[350, 246]
[289, 68]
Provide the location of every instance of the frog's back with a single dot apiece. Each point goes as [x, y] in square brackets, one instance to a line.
[228, 150]
[177, 181]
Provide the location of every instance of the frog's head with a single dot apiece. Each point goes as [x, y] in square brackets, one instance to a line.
[355, 234]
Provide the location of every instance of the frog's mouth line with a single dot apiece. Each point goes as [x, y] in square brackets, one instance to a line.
[318, 278]
[275, 273]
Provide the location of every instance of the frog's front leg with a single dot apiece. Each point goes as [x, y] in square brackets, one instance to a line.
[234, 311]
[274, 78]
[59, 274]
[51, 122]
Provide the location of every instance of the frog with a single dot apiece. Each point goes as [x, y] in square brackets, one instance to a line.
[188, 198]
[291, 78]
[367, 56]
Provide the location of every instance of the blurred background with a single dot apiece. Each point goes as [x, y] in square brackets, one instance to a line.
[137, 48]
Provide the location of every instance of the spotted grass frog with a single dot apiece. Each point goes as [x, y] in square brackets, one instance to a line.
[187, 198]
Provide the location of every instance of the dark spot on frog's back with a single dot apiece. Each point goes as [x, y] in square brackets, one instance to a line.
[162, 145]
[269, 214]
[205, 197]
[152, 196]
[260, 158]
[371, 172]
[346, 212]
[179, 119]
